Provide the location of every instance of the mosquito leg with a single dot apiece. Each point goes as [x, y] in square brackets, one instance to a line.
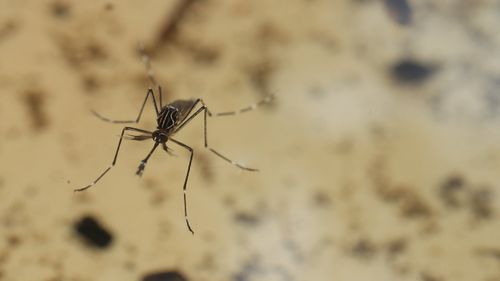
[184, 188]
[150, 92]
[168, 150]
[266, 100]
[140, 170]
[205, 113]
[149, 70]
[114, 159]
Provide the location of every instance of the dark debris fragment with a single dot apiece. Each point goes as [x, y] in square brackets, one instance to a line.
[481, 203]
[164, 276]
[93, 232]
[396, 247]
[250, 269]
[321, 199]
[35, 103]
[450, 189]
[169, 29]
[200, 53]
[363, 248]
[411, 204]
[60, 9]
[415, 207]
[409, 71]
[425, 276]
[246, 218]
[260, 75]
[489, 252]
[7, 29]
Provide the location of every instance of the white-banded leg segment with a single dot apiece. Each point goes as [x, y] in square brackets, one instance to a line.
[251, 107]
[184, 188]
[205, 113]
[105, 119]
[239, 165]
[114, 159]
[232, 162]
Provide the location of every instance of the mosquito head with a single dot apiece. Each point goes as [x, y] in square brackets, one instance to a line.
[160, 136]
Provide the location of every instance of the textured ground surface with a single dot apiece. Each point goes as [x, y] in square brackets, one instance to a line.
[380, 159]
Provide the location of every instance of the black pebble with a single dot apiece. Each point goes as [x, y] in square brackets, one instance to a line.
[93, 233]
[164, 276]
[410, 71]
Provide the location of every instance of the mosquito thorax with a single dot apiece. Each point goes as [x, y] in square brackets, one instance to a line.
[167, 118]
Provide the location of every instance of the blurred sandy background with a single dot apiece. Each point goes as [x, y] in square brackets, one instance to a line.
[380, 159]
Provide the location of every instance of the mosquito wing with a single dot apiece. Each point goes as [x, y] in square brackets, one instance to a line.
[184, 107]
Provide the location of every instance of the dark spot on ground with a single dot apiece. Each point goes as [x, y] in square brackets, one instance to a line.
[206, 167]
[411, 205]
[409, 71]
[78, 52]
[169, 28]
[269, 34]
[95, 51]
[317, 93]
[60, 9]
[400, 11]
[450, 190]
[249, 269]
[7, 29]
[35, 104]
[425, 276]
[229, 201]
[158, 195]
[90, 83]
[164, 276]
[13, 240]
[481, 203]
[260, 77]
[200, 53]
[109, 6]
[489, 252]
[363, 248]
[93, 232]
[321, 199]
[396, 247]
[246, 218]
[207, 262]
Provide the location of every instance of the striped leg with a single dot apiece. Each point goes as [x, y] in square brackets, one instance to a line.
[150, 92]
[151, 75]
[207, 112]
[114, 159]
[140, 170]
[184, 188]
[266, 100]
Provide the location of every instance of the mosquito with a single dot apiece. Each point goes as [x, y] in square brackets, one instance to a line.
[170, 119]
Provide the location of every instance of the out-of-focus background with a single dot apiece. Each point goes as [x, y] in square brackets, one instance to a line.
[379, 158]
